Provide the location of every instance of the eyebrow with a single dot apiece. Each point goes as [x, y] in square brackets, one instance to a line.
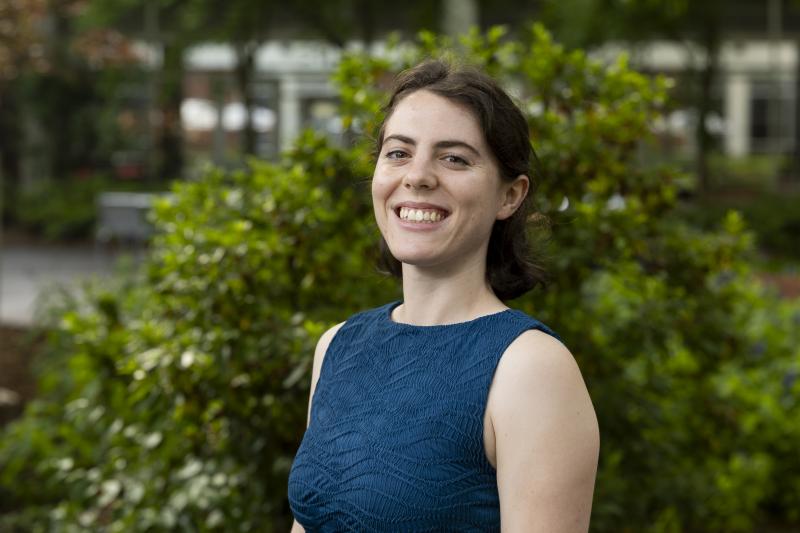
[441, 144]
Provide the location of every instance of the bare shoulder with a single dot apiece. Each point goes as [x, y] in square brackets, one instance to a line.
[538, 377]
[547, 436]
[536, 358]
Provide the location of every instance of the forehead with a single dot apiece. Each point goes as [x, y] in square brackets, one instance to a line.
[423, 115]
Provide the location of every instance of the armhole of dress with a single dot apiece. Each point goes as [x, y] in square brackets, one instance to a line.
[325, 358]
[379, 312]
[532, 324]
[325, 364]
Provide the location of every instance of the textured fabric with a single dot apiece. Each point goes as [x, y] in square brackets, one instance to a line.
[395, 439]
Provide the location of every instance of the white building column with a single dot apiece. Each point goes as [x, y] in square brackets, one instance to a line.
[737, 115]
[289, 111]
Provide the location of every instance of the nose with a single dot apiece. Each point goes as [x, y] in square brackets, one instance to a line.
[420, 175]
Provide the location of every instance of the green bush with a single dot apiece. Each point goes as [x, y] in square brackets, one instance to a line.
[751, 173]
[55, 210]
[774, 218]
[63, 209]
[176, 401]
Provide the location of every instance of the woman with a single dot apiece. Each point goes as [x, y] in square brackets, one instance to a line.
[448, 411]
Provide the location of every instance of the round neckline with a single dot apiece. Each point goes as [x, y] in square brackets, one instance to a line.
[394, 305]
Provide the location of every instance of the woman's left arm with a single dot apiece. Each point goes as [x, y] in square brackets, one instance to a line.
[546, 438]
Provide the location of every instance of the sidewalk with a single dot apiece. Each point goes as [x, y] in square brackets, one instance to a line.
[28, 270]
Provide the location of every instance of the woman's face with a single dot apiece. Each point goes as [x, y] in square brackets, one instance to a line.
[437, 189]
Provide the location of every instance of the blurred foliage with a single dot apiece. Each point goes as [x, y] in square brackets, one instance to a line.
[773, 217]
[58, 90]
[752, 173]
[21, 39]
[589, 22]
[700, 26]
[64, 209]
[176, 401]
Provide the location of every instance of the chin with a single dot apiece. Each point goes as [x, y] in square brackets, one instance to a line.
[414, 257]
[420, 260]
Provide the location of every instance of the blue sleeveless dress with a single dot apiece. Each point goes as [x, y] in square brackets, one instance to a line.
[395, 439]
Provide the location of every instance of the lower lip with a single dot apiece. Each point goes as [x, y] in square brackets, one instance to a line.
[420, 226]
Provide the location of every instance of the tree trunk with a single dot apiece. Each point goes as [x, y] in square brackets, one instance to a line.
[708, 76]
[245, 67]
[329, 29]
[218, 144]
[170, 139]
[796, 166]
[366, 20]
[35, 154]
[9, 138]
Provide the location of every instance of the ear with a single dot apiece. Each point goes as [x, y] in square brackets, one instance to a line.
[514, 194]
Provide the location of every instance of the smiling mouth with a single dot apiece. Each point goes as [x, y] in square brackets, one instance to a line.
[421, 215]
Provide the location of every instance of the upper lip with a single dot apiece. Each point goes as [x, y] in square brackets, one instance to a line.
[419, 205]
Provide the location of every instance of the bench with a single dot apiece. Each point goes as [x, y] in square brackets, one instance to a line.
[122, 216]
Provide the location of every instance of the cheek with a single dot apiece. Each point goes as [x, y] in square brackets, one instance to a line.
[381, 189]
[380, 193]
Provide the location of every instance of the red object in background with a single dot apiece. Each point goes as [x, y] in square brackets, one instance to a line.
[129, 171]
[128, 165]
[788, 285]
[84, 173]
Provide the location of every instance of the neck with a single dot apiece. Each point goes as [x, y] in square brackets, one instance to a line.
[432, 297]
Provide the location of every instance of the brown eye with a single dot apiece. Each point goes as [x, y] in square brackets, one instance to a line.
[456, 160]
[396, 154]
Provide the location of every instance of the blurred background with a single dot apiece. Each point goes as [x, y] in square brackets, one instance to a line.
[108, 106]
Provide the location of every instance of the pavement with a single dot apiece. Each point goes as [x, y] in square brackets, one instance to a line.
[29, 272]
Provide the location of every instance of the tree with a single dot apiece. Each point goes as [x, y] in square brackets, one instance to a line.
[22, 46]
[245, 25]
[699, 24]
[47, 78]
[161, 24]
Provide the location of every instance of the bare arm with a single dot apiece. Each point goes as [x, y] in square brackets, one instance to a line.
[547, 438]
[319, 355]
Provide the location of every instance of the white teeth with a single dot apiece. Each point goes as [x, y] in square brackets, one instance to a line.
[420, 215]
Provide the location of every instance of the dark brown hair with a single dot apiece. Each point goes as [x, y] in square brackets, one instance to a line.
[510, 268]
